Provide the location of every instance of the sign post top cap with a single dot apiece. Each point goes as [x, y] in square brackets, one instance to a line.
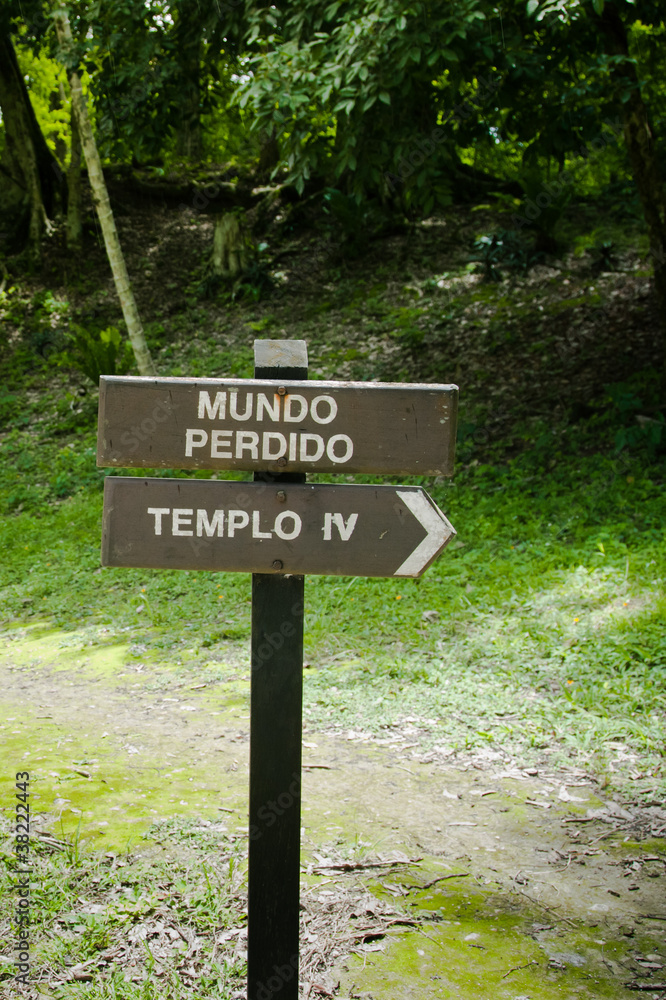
[280, 354]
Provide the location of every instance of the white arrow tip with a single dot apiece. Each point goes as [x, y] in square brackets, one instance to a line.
[439, 532]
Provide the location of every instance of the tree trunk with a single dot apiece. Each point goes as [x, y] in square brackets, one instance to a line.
[57, 101]
[269, 154]
[229, 246]
[639, 137]
[29, 160]
[74, 227]
[189, 51]
[103, 208]
[189, 131]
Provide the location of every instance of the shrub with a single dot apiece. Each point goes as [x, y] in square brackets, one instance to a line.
[98, 353]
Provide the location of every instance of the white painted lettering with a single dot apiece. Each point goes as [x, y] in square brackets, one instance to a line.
[345, 528]
[233, 406]
[220, 440]
[247, 441]
[267, 446]
[236, 519]
[349, 448]
[204, 526]
[318, 443]
[328, 401]
[194, 439]
[291, 401]
[181, 520]
[256, 527]
[268, 437]
[264, 406]
[216, 410]
[281, 532]
[158, 512]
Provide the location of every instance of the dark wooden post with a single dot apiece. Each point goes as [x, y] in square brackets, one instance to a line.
[276, 709]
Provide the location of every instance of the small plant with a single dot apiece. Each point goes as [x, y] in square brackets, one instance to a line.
[604, 256]
[407, 331]
[209, 285]
[637, 429]
[503, 250]
[42, 326]
[356, 222]
[10, 407]
[95, 354]
[648, 431]
[254, 284]
[95, 937]
[543, 205]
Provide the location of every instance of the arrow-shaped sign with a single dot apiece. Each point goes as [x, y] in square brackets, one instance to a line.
[439, 531]
[262, 528]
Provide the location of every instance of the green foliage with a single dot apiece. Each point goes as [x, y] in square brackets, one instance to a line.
[43, 323]
[10, 408]
[255, 283]
[554, 578]
[44, 78]
[538, 594]
[33, 480]
[346, 212]
[160, 79]
[349, 91]
[504, 249]
[637, 429]
[95, 353]
[604, 256]
[352, 221]
[408, 328]
[252, 285]
[33, 335]
[544, 204]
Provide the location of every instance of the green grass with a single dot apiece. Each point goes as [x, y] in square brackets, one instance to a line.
[539, 635]
[541, 628]
[539, 631]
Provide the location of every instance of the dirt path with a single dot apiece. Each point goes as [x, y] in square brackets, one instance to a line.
[538, 880]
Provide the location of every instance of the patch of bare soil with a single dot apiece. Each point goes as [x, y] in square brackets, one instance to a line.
[383, 830]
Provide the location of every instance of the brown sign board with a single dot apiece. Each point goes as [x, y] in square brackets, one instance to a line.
[256, 527]
[277, 426]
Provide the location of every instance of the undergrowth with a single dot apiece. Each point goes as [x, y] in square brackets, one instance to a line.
[541, 628]
[133, 926]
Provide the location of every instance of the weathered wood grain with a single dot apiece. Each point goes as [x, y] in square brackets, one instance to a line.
[279, 425]
[260, 527]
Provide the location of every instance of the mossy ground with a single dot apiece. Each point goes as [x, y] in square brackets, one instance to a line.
[143, 757]
[485, 944]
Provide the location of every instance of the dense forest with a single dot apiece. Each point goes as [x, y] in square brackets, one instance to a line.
[360, 117]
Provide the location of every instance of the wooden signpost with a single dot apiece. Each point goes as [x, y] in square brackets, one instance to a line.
[278, 528]
[280, 425]
[261, 528]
